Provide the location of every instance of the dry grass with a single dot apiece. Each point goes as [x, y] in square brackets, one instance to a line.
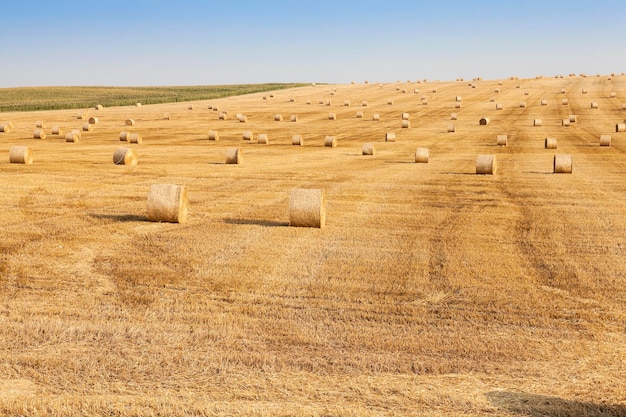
[430, 290]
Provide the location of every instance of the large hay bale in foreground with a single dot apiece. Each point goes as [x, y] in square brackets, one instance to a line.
[39, 134]
[422, 155]
[550, 143]
[167, 203]
[21, 155]
[486, 164]
[125, 156]
[368, 149]
[330, 142]
[605, 140]
[297, 140]
[501, 140]
[307, 208]
[562, 164]
[233, 155]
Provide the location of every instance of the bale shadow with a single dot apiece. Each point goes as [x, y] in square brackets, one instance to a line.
[265, 223]
[533, 405]
[123, 218]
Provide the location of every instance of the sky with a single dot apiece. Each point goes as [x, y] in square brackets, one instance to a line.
[185, 42]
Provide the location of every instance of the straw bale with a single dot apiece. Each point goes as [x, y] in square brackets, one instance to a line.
[406, 124]
[213, 135]
[138, 104]
[550, 143]
[190, 107]
[167, 203]
[486, 164]
[242, 118]
[332, 116]
[376, 117]
[620, 127]
[125, 156]
[457, 105]
[605, 140]
[135, 138]
[222, 116]
[612, 94]
[87, 127]
[623, 106]
[566, 122]
[457, 98]
[346, 103]
[368, 149]
[565, 102]
[501, 140]
[421, 155]
[330, 142]
[594, 105]
[297, 140]
[278, 118]
[72, 137]
[405, 116]
[562, 91]
[93, 120]
[40, 124]
[573, 118]
[292, 99]
[166, 116]
[247, 135]
[562, 164]
[522, 104]
[498, 106]
[390, 137]
[544, 102]
[39, 134]
[56, 130]
[454, 116]
[124, 136]
[294, 118]
[130, 122]
[484, 121]
[307, 208]
[359, 115]
[584, 91]
[451, 128]
[390, 102]
[262, 139]
[364, 103]
[98, 106]
[233, 155]
[5, 128]
[21, 155]
[537, 122]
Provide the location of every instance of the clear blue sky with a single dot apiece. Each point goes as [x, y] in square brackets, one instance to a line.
[184, 42]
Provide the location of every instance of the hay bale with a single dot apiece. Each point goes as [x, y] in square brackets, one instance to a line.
[498, 106]
[612, 94]
[565, 122]
[526, 93]
[87, 127]
[562, 164]
[390, 137]
[216, 108]
[451, 128]
[167, 203]
[332, 116]
[457, 105]
[573, 118]
[496, 90]
[375, 117]
[98, 106]
[346, 103]
[359, 115]
[605, 140]
[454, 116]
[222, 116]
[330, 142]
[416, 91]
[39, 134]
[278, 117]
[307, 102]
[584, 91]
[56, 130]
[297, 140]
[242, 118]
[125, 156]
[550, 143]
[620, 127]
[484, 121]
[40, 124]
[368, 149]
[292, 99]
[262, 139]
[72, 137]
[135, 138]
[21, 155]
[213, 135]
[233, 155]
[562, 91]
[522, 104]
[248, 135]
[421, 155]
[210, 107]
[406, 124]
[327, 103]
[501, 140]
[166, 116]
[190, 107]
[5, 128]
[537, 122]
[307, 208]
[124, 136]
[457, 98]
[425, 103]
[623, 106]
[544, 102]
[364, 103]
[486, 164]
[594, 105]
[565, 102]
[390, 102]
[137, 104]
[93, 120]
[434, 90]
[129, 122]
[405, 116]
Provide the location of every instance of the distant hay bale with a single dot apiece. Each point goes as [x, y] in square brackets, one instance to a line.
[332, 116]
[242, 118]
[526, 93]
[498, 106]
[56, 130]
[434, 90]
[307, 208]
[457, 105]
[565, 102]
[135, 138]
[233, 155]
[390, 137]
[390, 102]
[451, 128]
[404, 90]
[497, 90]
[594, 105]
[40, 124]
[454, 116]
[537, 122]
[39, 134]
[605, 140]
[550, 143]
[262, 139]
[125, 156]
[376, 117]
[565, 122]
[72, 137]
[308, 102]
[501, 140]
[98, 106]
[562, 91]
[328, 103]
[124, 136]
[247, 135]
[213, 135]
[346, 103]
[562, 164]
[368, 149]
[584, 91]
[190, 107]
[87, 127]
[486, 164]
[544, 102]
[364, 103]
[620, 127]
[416, 91]
[222, 116]
[457, 98]
[5, 128]
[421, 155]
[623, 106]
[130, 122]
[522, 104]
[167, 203]
[21, 155]
[292, 99]
[166, 116]
[573, 118]
[359, 115]
[210, 107]
[297, 140]
[330, 142]
[137, 104]
[278, 117]
[425, 103]
[484, 121]
[406, 124]
[93, 120]
[216, 108]
[405, 116]
[612, 94]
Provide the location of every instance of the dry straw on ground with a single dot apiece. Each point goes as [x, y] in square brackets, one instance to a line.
[167, 203]
[21, 155]
[125, 156]
[486, 164]
[233, 155]
[422, 155]
[562, 164]
[307, 208]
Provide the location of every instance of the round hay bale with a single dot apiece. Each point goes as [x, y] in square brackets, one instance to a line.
[566, 122]
[297, 140]
[359, 115]
[454, 116]
[124, 136]
[457, 98]
[620, 127]
[594, 105]
[484, 121]
[425, 103]
[501, 140]
[368, 149]
[605, 140]
[405, 116]
[137, 104]
[332, 116]
[434, 90]
[233, 155]
[307, 208]
[5, 128]
[522, 104]
[406, 124]
[526, 93]
[40, 124]
[327, 103]
[451, 128]
[56, 130]
[98, 106]
[537, 122]
[216, 108]
[278, 118]
[612, 94]
[262, 139]
[294, 118]
[376, 117]
[498, 106]
[21, 155]
[93, 120]
[492, 99]
[87, 127]
[72, 137]
[390, 137]
[129, 122]
[248, 135]
[562, 91]
[166, 117]
[213, 135]
[210, 107]
[544, 102]
[364, 103]
[565, 102]
[292, 99]
[135, 138]
[457, 105]
[421, 155]
[584, 91]
[390, 102]
[39, 134]
[497, 90]
[416, 91]
[190, 107]
[346, 103]
[167, 203]
[125, 156]
[330, 142]
[242, 118]
[562, 164]
[623, 106]
[550, 143]
[486, 164]
[222, 116]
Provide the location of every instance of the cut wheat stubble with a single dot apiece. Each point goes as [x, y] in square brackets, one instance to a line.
[167, 203]
[307, 208]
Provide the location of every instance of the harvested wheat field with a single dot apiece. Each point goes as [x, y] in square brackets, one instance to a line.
[429, 290]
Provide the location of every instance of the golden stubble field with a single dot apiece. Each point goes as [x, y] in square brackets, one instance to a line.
[431, 290]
